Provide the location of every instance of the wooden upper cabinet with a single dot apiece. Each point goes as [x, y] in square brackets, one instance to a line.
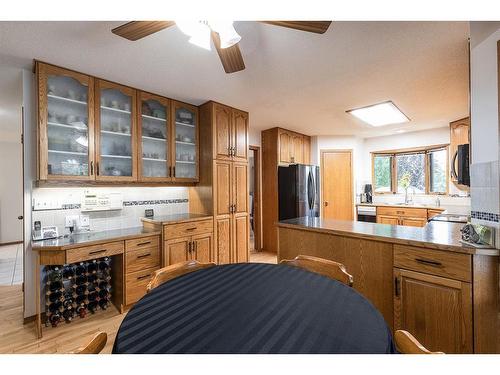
[222, 131]
[284, 147]
[306, 140]
[298, 149]
[230, 133]
[436, 310]
[459, 135]
[65, 124]
[240, 135]
[115, 132]
[185, 150]
[154, 134]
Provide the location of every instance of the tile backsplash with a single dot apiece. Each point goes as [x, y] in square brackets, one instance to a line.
[62, 202]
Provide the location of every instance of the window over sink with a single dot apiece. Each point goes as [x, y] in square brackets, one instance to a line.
[421, 170]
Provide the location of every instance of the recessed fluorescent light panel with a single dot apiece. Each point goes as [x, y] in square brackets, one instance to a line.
[380, 114]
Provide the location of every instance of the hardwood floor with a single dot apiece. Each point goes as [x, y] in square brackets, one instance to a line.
[263, 257]
[16, 337]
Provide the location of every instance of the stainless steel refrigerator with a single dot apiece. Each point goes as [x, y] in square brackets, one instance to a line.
[298, 191]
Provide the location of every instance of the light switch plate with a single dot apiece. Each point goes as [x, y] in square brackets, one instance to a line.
[84, 222]
[71, 220]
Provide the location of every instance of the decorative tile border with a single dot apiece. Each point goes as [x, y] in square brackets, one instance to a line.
[485, 216]
[157, 201]
[76, 206]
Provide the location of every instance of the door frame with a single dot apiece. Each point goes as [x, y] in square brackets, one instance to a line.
[257, 220]
[327, 151]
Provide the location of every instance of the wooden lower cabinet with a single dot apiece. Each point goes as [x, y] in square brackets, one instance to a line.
[223, 239]
[198, 247]
[413, 222]
[135, 285]
[391, 220]
[436, 310]
[239, 253]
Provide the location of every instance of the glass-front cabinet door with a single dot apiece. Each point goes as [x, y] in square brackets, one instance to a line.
[66, 131]
[115, 132]
[154, 138]
[185, 135]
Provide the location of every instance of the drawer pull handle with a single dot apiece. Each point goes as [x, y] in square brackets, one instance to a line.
[144, 243]
[97, 252]
[429, 262]
[193, 228]
[144, 255]
[143, 277]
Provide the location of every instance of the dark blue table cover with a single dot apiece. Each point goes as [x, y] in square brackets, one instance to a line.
[253, 308]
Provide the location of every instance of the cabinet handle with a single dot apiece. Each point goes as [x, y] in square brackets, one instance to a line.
[144, 243]
[144, 255]
[429, 262]
[97, 168]
[173, 169]
[193, 228]
[195, 245]
[97, 252]
[92, 168]
[396, 286]
[143, 277]
[169, 171]
[190, 246]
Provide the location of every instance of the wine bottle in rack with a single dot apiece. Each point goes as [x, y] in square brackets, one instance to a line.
[81, 310]
[55, 286]
[92, 278]
[68, 271]
[54, 296]
[92, 296]
[92, 306]
[80, 269]
[92, 267]
[104, 265]
[55, 274]
[103, 303]
[55, 318]
[81, 290]
[68, 314]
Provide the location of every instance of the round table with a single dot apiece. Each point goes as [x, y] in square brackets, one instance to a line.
[253, 308]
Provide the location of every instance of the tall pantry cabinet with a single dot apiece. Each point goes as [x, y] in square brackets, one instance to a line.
[223, 187]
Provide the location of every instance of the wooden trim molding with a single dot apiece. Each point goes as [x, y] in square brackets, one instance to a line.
[257, 218]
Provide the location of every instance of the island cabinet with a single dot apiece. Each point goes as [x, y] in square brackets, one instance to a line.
[223, 187]
[445, 295]
[433, 298]
[90, 129]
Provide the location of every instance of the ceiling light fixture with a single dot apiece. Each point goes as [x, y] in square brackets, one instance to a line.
[380, 114]
[199, 32]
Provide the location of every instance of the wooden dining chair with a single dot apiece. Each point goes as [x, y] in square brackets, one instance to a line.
[408, 344]
[175, 270]
[325, 267]
[94, 346]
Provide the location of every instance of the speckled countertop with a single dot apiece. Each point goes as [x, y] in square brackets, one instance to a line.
[435, 235]
[177, 218]
[427, 206]
[92, 238]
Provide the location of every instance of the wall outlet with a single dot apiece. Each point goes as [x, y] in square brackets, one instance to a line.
[84, 225]
[71, 221]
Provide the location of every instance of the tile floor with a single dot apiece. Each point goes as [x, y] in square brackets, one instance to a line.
[11, 264]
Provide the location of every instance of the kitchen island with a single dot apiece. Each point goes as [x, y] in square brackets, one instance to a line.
[423, 280]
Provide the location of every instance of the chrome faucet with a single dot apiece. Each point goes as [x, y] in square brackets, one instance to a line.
[438, 202]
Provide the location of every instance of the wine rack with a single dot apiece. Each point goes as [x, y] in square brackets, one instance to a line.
[74, 290]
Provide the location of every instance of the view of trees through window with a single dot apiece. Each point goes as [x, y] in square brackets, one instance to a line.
[382, 168]
[414, 166]
[391, 169]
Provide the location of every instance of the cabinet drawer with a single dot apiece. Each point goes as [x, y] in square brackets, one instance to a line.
[93, 252]
[135, 284]
[141, 243]
[141, 259]
[402, 212]
[188, 229]
[434, 262]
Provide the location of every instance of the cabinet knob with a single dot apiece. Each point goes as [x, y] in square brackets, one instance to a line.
[325, 203]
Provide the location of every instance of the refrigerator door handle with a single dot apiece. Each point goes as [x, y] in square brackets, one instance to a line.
[310, 191]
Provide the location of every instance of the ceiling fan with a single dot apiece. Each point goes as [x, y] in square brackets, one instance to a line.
[223, 35]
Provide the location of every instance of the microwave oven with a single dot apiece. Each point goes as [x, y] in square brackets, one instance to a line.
[460, 165]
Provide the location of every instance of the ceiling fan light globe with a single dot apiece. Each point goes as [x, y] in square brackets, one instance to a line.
[227, 34]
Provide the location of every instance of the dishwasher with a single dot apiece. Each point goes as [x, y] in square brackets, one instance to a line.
[367, 213]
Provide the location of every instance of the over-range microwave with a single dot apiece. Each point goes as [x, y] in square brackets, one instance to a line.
[460, 165]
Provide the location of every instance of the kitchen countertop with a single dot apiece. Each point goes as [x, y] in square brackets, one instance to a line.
[175, 219]
[427, 206]
[435, 235]
[92, 238]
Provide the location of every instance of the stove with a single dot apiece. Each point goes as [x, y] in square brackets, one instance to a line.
[452, 218]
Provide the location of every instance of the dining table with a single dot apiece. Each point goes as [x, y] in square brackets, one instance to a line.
[253, 308]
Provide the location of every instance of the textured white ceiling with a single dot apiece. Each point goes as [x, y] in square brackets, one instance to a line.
[297, 80]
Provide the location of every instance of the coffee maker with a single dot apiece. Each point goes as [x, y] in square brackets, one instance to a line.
[367, 194]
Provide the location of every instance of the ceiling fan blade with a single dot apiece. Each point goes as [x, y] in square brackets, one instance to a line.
[139, 29]
[231, 58]
[318, 27]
